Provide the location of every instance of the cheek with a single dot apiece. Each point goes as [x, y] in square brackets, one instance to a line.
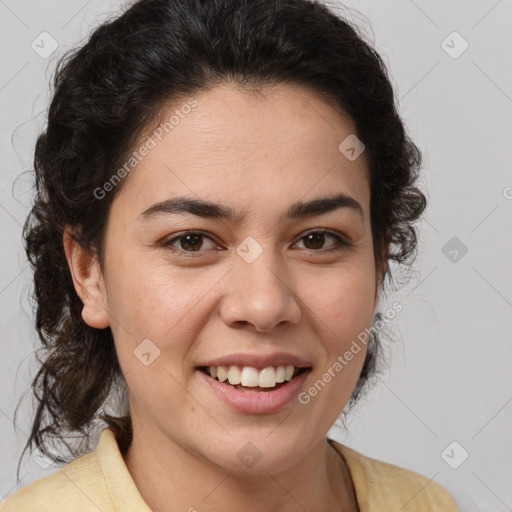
[343, 310]
[152, 298]
[165, 305]
[342, 301]
[156, 321]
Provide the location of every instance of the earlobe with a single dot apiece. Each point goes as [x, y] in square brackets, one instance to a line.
[88, 281]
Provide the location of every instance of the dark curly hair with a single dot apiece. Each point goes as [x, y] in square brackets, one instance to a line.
[105, 96]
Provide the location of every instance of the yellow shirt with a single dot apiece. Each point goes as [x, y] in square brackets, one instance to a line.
[100, 481]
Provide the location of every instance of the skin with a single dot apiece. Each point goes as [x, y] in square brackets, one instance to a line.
[260, 154]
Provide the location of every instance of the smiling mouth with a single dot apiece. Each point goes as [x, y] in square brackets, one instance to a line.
[250, 379]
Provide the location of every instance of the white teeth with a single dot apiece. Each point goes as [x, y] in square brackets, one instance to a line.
[249, 376]
[268, 377]
[234, 375]
[222, 374]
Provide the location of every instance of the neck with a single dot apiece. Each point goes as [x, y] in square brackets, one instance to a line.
[165, 472]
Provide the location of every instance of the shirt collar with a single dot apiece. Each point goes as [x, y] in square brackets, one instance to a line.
[123, 491]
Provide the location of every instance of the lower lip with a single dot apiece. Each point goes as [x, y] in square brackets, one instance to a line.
[258, 402]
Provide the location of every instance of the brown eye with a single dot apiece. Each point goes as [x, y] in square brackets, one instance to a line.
[314, 240]
[187, 242]
[191, 242]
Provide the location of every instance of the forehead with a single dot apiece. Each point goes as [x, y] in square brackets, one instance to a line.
[248, 151]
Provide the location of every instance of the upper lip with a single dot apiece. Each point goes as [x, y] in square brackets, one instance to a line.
[258, 360]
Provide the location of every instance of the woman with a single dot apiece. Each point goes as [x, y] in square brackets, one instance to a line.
[220, 188]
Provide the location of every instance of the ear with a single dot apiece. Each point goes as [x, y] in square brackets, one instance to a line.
[381, 273]
[88, 281]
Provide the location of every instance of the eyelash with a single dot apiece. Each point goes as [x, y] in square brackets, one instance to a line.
[339, 246]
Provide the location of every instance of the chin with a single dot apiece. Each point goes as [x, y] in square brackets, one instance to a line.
[255, 454]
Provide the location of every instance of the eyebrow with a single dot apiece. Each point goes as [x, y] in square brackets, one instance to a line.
[207, 209]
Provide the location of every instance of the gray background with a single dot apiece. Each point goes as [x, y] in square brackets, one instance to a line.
[448, 377]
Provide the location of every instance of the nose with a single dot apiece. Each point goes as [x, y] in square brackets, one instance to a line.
[259, 295]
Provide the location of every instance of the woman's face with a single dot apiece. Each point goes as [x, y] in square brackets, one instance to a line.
[254, 286]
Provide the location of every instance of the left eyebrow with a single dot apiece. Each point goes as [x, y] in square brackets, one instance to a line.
[207, 209]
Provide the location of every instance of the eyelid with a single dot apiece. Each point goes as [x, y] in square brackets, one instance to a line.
[322, 231]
